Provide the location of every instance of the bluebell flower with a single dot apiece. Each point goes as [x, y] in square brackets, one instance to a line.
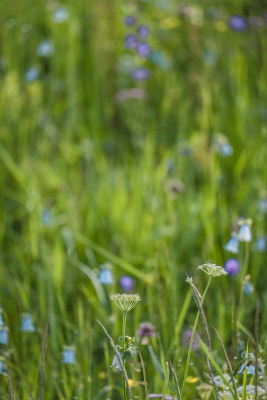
[45, 48]
[32, 74]
[126, 283]
[248, 288]
[2, 366]
[60, 15]
[143, 49]
[115, 362]
[27, 324]
[4, 335]
[261, 244]
[232, 266]
[140, 74]
[226, 149]
[105, 275]
[237, 23]
[2, 324]
[68, 355]
[130, 41]
[143, 31]
[244, 233]
[232, 245]
[46, 217]
[262, 206]
[129, 20]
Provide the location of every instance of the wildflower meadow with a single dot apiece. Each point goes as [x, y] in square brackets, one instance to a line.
[133, 230]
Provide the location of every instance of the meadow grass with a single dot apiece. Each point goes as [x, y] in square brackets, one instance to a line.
[143, 184]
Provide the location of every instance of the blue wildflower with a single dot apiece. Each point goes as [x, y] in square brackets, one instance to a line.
[226, 150]
[143, 31]
[232, 266]
[1, 320]
[115, 362]
[129, 20]
[27, 324]
[45, 48]
[60, 15]
[248, 288]
[158, 58]
[261, 244]
[2, 366]
[105, 275]
[4, 335]
[232, 245]
[68, 355]
[237, 23]
[32, 74]
[130, 41]
[140, 74]
[46, 217]
[143, 49]
[244, 233]
[126, 283]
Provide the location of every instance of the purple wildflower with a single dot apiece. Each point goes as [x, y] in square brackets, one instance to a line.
[146, 330]
[232, 266]
[143, 49]
[143, 31]
[238, 23]
[129, 20]
[140, 74]
[126, 283]
[186, 338]
[130, 41]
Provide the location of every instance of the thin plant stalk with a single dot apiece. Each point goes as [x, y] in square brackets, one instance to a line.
[245, 377]
[124, 317]
[244, 272]
[128, 390]
[144, 371]
[176, 383]
[192, 337]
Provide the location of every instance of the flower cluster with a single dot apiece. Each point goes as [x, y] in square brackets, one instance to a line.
[125, 302]
[213, 270]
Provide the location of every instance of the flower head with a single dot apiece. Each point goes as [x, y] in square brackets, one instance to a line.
[27, 324]
[68, 355]
[124, 301]
[45, 48]
[186, 338]
[3, 335]
[105, 276]
[232, 266]
[232, 245]
[60, 15]
[143, 31]
[126, 283]
[244, 233]
[237, 23]
[143, 49]
[129, 20]
[213, 269]
[146, 330]
[140, 74]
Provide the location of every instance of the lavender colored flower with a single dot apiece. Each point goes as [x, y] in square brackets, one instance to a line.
[143, 49]
[60, 15]
[32, 74]
[140, 74]
[232, 245]
[143, 31]
[130, 41]
[186, 338]
[45, 48]
[27, 324]
[4, 336]
[232, 266]
[244, 233]
[146, 330]
[68, 355]
[261, 244]
[126, 283]
[129, 20]
[238, 23]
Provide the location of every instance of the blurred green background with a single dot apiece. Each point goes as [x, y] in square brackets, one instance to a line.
[149, 175]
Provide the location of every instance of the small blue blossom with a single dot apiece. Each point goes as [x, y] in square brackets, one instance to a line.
[60, 15]
[129, 20]
[248, 288]
[143, 31]
[2, 367]
[130, 41]
[32, 74]
[232, 266]
[27, 324]
[232, 245]
[4, 336]
[2, 324]
[140, 74]
[126, 283]
[143, 49]
[46, 217]
[158, 58]
[68, 355]
[115, 362]
[45, 48]
[105, 275]
[244, 233]
[238, 23]
[261, 244]
[226, 150]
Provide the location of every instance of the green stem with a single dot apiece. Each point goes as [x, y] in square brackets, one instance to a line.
[144, 371]
[244, 273]
[192, 337]
[124, 317]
